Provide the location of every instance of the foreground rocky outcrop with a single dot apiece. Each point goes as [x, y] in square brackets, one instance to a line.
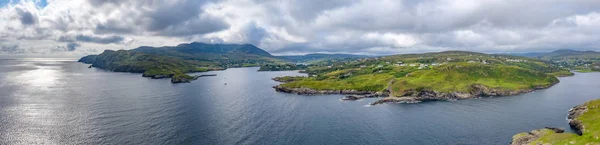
[579, 116]
[575, 124]
[528, 137]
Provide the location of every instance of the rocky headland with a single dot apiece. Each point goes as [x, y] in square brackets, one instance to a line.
[412, 96]
[582, 119]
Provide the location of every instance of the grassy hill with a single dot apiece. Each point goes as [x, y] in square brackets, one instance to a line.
[584, 118]
[169, 61]
[581, 61]
[316, 57]
[301, 62]
[443, 73]
[223, 55]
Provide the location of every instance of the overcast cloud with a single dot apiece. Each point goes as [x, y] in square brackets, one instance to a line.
[80, 27]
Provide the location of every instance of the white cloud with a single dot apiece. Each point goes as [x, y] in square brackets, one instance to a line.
[289, 27]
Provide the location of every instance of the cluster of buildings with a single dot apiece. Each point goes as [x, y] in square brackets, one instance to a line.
[420, 65]
[516, 60]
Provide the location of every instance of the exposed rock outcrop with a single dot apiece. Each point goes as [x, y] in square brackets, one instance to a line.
[528, 137]
[158, 76]
[309, 91]
[183, 79]
[573, 122]
[358, 97]
[187, 79]
[413, 96]
[576, 125]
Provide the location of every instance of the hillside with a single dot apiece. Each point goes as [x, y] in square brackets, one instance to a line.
[224, 55]
[169, 61]
[430, 76]
[315, 57]
[584, 119]
[581, 61]
[301, 62]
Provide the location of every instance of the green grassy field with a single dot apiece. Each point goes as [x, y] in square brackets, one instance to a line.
[442, 72]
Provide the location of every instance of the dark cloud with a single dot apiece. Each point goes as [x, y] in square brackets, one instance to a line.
[253, 33]
[166, 18]
[11, 49]
[173, 13]
[72, 46]
[112, 26]
[100, 40]
[199, 25]
[92, 39]
[307, 10]
[305, 26]
[26, 17]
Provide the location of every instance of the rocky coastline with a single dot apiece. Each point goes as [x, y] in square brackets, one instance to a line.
[528, 137]
[186, 79]
[576, 125]
[309, 91]
[176, 78]
[412, 96]
[573, 122]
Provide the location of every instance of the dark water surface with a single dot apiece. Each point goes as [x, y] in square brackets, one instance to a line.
[64, 102]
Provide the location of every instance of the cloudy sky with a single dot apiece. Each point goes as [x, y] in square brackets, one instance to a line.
[75, 28]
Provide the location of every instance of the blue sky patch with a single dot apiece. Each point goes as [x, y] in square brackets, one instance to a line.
[39, 3]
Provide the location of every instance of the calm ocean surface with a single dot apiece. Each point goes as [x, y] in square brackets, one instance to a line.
[54, 101]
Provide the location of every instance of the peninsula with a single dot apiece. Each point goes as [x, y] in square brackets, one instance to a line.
[175, 61]
[411, 78]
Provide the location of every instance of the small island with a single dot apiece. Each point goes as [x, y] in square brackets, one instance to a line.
[584, 119]
[412, 78]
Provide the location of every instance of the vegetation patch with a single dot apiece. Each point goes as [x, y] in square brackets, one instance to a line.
[590, 119]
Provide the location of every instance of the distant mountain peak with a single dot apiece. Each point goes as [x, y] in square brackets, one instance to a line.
[200, 47]
[566, 50]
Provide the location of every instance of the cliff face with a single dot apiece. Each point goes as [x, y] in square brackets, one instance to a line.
[576, 124]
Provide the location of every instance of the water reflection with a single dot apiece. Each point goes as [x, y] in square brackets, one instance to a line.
[58, 102]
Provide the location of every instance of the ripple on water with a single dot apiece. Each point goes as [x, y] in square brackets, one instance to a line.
[67, 103]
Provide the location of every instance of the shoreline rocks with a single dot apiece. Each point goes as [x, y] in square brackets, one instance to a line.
[413, 96]
[573, 122]
[528, 137]
[158, 76]
[185, 79]
[476, 91]
[358, 97]
[309, 91]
